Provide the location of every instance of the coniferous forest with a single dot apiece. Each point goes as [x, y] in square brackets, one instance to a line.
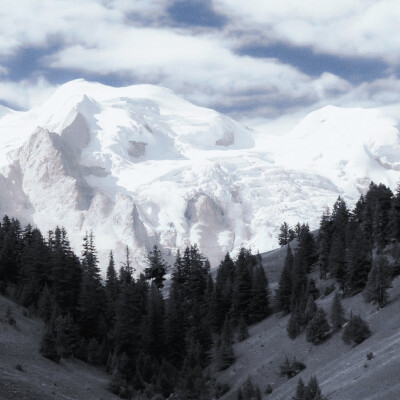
[167, 344]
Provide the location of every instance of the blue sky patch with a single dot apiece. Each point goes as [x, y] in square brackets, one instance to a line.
[355, 70]
[195, 13]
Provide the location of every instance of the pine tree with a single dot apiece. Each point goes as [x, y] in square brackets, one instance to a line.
[112, 290]
[225, 355]
[157, 268]
[308, 247]
[126, 270]
[46, 305]
[66, 273]
[111, 279]
[379, 280]
[337, 313]
[395, 216]
[300, 282]
[318, 328]
[221, 301]
[294, 326]
[48, 345]
[284, 234]
[129, 317]
[154, 329]
[324, 242]
[383, 203]
[259, 304]
[313, 391]
[92, 299]
[337, 258]
[300, 390]
[284, 293]
[358, 263]
[242, 292]
[175, 330]
[311, 309]
[356, 330]
[243, 331]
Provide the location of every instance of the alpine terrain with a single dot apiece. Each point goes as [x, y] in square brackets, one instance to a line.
[140, 166]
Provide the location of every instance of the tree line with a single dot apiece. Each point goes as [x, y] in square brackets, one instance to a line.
[155, 345]
[358, 249]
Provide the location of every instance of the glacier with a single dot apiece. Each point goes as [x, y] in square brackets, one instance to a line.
[140, 166]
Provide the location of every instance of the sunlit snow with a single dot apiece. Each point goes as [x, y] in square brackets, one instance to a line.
[140, 166]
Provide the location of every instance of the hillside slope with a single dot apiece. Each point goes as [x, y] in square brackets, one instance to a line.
[343, 372]
[41, 378]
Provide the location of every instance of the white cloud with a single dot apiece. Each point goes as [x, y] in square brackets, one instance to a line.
[3, 70]
[366, 28]
[25, 94]
[122, 37]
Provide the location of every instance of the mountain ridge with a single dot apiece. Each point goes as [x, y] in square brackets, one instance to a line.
[139, 166]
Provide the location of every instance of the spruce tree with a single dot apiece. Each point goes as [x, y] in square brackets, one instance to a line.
[379, 280]
[66, 273]
[129, 318]
[294, 326]
[337, 313]
[259, 304]
[358, 263]
[225, 355]
[337, 258]
[243, 331]
[356, 330]
[311, 309]
[242, 292]
[157, 268]
[284, 293]
[318, 328]
[284, 234]
[300, 390]
[324, 242]
[223, 292]
[313, 391]
[48, 345]
[92, 299]
[111, 279]
[395, 216]
[154, 324]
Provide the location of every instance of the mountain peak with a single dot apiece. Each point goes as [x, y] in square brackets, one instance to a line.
[138, 166]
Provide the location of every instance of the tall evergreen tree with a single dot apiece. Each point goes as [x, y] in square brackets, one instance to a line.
[379, 280]
[318, 328]
[337, 258]
[223, 291]
[284, 293]
[259, 304]
[66, 273]
[157, 268]
[242, 285]
[337, 313]
[324, 243]
[395, 216]
[154, 324]
[225, 355]
[356, 330]
[358, 263]
[92, 300]
[284, 234]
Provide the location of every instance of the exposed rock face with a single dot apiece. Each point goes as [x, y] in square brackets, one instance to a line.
[136, 149]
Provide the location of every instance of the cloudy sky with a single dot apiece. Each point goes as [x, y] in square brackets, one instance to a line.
[251, 59]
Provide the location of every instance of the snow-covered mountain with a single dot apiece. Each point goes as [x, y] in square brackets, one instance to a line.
[140, 166]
